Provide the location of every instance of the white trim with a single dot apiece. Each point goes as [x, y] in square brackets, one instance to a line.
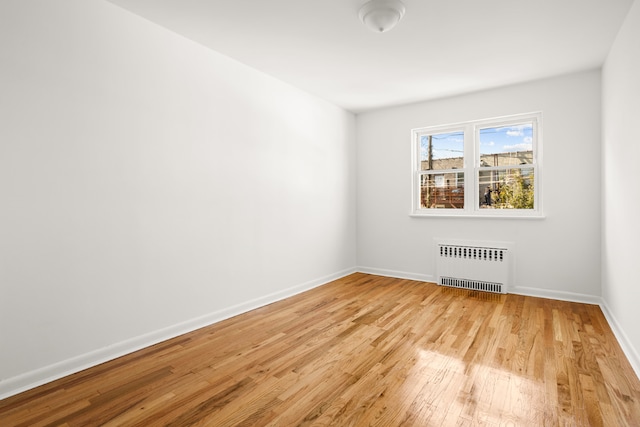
[471, 168]
[447, 213]
[556, 295]
[396, 274]
[37, 377]
[627, 347]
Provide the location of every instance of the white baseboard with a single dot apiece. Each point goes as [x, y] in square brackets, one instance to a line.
[629, 350]
[557, 295]
[37, 377]
[396, 274]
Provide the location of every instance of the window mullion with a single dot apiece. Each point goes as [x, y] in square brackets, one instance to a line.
[470, 167]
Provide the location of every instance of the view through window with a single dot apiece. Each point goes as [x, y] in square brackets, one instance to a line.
[487, 167]
[506, 175]
[442, 164]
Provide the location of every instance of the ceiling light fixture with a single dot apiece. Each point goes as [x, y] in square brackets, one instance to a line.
[381, 15]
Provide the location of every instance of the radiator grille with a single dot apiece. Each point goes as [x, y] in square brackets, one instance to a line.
[468, 266]
[471, 284]
[478, 253]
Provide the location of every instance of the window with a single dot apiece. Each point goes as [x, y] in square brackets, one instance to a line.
[481, 168]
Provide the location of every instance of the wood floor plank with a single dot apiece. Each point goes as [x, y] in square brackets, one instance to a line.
[362, 351]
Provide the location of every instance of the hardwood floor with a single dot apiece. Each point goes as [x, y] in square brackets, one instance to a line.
[363, 350]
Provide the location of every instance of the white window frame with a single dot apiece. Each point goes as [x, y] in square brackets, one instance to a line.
[471, 168]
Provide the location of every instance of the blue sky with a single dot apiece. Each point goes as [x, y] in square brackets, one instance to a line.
[492, 141]
[445, 145]
[506, 139]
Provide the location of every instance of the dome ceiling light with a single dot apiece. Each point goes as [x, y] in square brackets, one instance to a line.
[381, 15]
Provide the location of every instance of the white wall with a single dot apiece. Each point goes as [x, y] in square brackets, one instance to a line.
[621, 193]
[558, 256]
[149, 186]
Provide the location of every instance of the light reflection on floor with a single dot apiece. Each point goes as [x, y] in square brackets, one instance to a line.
[454, 392]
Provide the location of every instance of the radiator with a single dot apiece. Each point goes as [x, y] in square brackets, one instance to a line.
[469, 266]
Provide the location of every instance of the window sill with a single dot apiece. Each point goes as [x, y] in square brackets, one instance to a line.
[537, 216]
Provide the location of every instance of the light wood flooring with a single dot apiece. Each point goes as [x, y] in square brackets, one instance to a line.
[363, 350]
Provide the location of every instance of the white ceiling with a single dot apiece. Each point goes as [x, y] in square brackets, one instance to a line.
[440, 48]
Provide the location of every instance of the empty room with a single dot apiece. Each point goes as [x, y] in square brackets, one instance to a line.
[319, 212]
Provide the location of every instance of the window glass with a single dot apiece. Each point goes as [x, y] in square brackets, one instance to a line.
[506, 145]
[506, 188]
[442, 151]
[442, 191]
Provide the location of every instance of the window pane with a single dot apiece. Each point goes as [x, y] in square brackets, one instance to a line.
[442, 191]
[506, 145]
[506, 189]
[442, 151]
